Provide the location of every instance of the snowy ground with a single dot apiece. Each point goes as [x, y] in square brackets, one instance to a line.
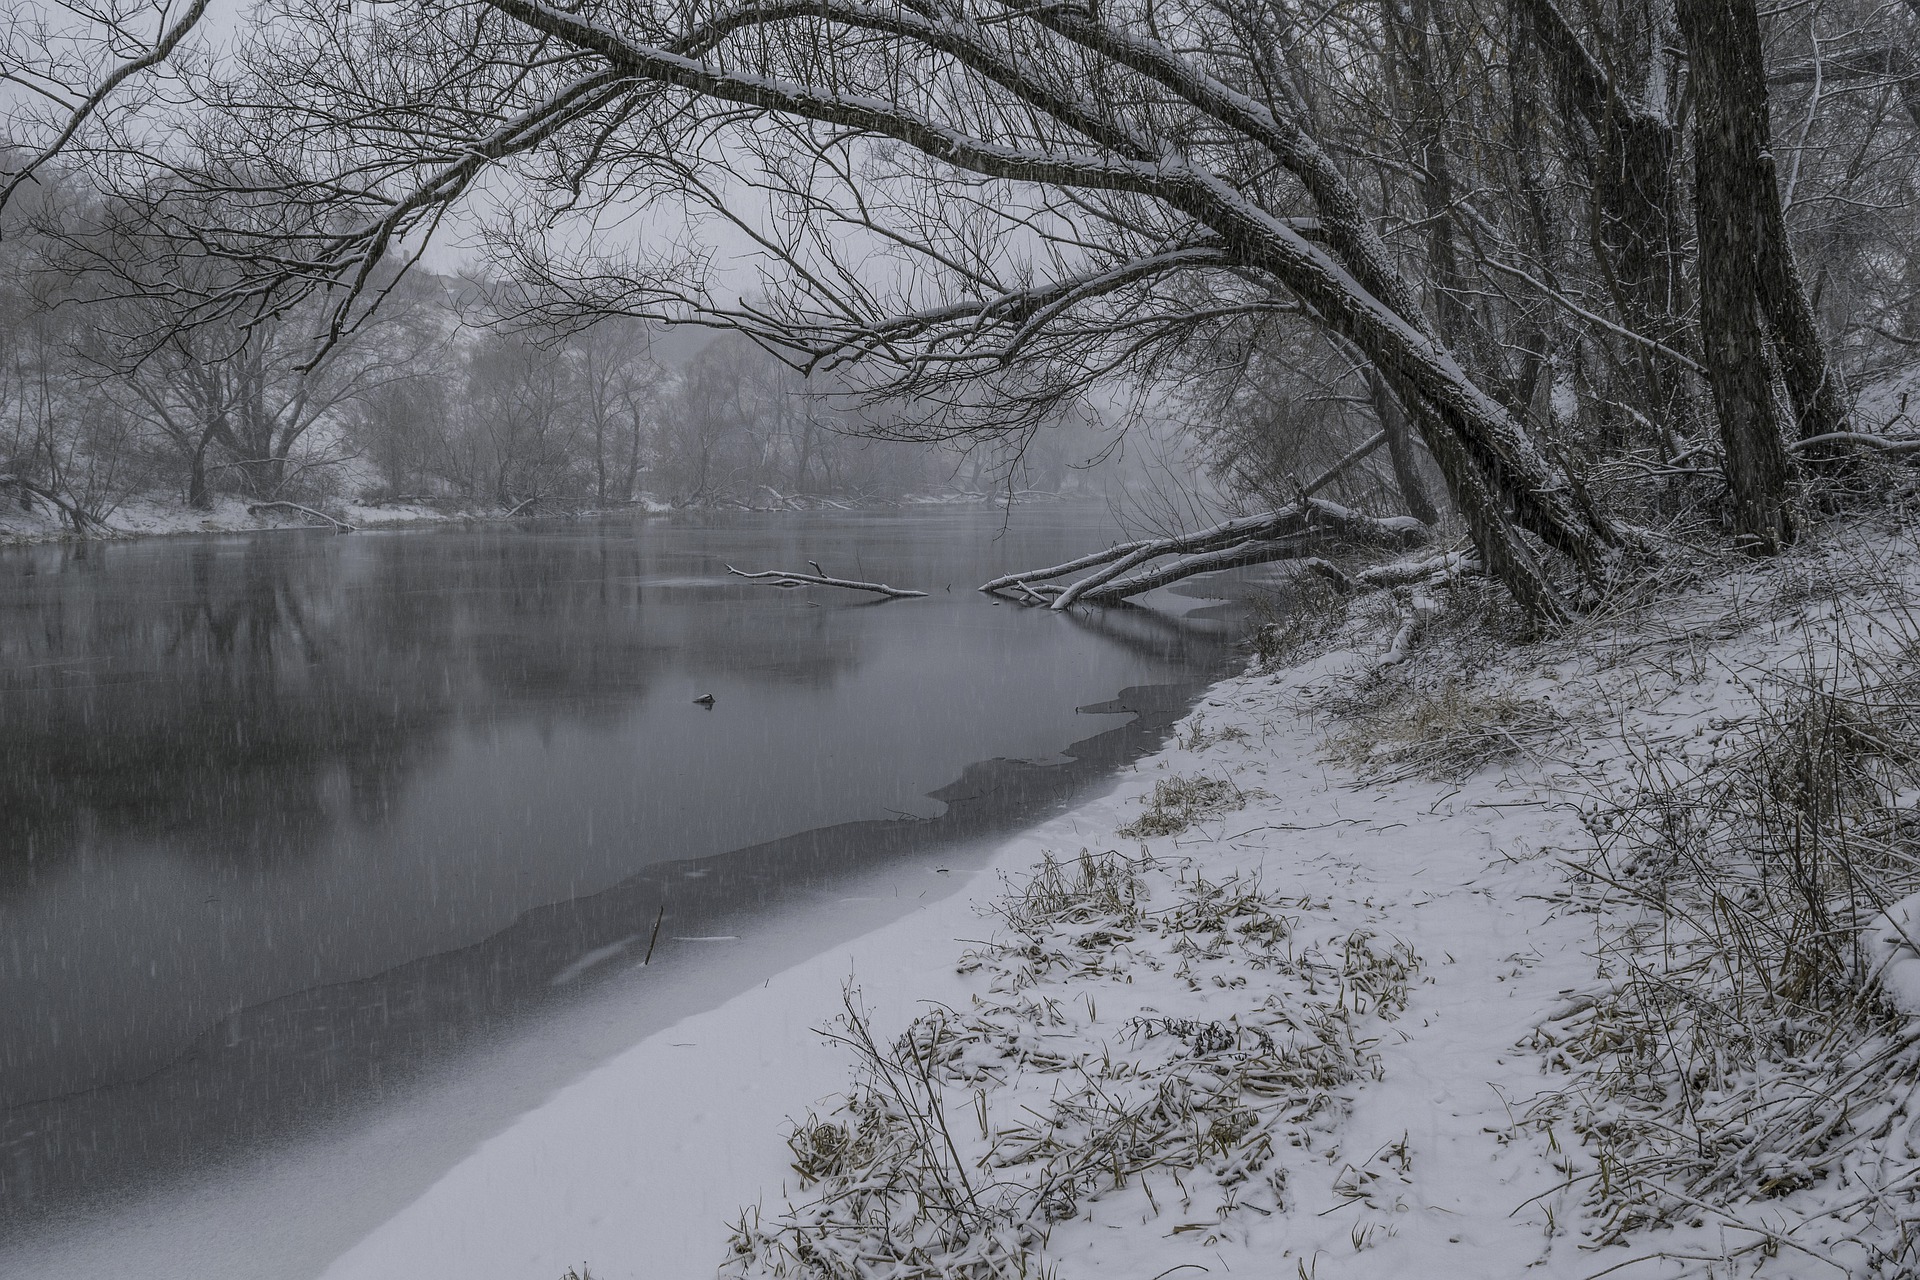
[1299, 1011]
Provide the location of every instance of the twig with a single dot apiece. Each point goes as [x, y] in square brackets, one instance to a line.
[657, 918]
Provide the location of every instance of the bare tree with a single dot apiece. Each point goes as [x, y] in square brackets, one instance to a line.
[971, 215]
[1039, 172]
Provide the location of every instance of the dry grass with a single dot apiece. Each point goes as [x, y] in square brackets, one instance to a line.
[1395, 727]
[1301, 619]
[1198, 737]
[1177, 803]
[1738, 1053]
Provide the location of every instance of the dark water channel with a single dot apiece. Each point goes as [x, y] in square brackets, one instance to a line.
[285, 820]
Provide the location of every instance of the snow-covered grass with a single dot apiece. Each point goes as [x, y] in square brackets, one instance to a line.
[1242, 1015]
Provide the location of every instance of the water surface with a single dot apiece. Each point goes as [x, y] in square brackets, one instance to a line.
[285, 819]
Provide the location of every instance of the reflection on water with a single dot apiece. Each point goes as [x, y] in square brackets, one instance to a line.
[282, 818]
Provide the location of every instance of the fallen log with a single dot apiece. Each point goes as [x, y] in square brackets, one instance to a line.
[1289, 533]
[1238, 556]
[819, 578]
[339, 526]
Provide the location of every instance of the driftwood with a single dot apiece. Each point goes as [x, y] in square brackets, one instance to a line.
[1291, 533]
[819, 578]
[339, 526]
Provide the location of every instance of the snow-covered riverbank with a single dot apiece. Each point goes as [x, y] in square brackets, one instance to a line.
[159, 518]
[1316, 990]
[166, 517]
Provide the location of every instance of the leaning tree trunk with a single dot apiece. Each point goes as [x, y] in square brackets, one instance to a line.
[1485, 452]
[1731, 181]
[1819, 395]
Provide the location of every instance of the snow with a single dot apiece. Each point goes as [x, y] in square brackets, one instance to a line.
[160, 516]
[1892, 943]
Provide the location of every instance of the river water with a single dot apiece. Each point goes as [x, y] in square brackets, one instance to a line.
[290, 822]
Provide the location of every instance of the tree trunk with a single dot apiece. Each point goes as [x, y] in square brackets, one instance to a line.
[1818, 392]
[1638, 225]
[198, 496]
[1409, 27]
[1400, 449]
[633, 458]
[1730, 137]
[1506, 555]
[1730, 83]
[1635, 207]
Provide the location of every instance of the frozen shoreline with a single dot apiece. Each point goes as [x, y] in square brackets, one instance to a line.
[1426, 1161]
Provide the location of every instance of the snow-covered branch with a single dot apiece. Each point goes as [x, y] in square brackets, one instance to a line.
[820, 578]
[1289, 533]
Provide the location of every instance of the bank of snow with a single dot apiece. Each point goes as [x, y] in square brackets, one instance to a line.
[1371, 971]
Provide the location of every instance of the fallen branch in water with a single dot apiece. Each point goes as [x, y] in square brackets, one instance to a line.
[340, 526]
[1290, 533]
[819, 578]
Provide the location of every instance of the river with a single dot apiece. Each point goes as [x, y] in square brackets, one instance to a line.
[292, 823]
